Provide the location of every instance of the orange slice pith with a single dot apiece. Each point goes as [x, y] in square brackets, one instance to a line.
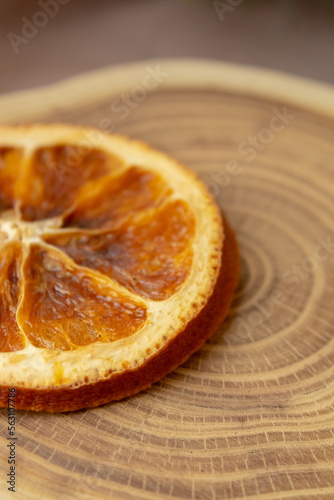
[115, 266]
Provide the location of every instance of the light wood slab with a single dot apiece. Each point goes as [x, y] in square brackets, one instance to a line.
[251, 414]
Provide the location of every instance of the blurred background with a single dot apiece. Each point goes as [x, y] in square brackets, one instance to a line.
[43, 41]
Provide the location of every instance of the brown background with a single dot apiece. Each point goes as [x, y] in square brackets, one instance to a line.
[293, 36]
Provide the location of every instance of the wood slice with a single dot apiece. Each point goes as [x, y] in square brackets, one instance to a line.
[251, 414]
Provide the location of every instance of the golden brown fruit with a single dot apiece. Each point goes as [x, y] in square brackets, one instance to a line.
[115, 266]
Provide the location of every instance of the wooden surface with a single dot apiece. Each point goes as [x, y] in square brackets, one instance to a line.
[251, 414]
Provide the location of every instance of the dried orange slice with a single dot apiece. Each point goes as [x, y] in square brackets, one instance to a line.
[115, 266]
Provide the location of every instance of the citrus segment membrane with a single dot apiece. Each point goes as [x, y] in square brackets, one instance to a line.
[11, 338]
[56, 174]
[65, 307]
[10, 163]
[150, 253]
[3, 237]
[110, 200]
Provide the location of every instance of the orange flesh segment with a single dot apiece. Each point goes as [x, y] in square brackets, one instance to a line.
[151, 255]
[65, 307]
[11, 338]
[10, 169]
[130, 192]
[128, 234]
[55, 176]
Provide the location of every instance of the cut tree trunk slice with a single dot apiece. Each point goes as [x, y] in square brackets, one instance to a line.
[250, 414]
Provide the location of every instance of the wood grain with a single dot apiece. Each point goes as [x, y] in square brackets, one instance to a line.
[251, 414]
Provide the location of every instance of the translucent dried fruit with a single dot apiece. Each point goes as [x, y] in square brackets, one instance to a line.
[115, 265]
